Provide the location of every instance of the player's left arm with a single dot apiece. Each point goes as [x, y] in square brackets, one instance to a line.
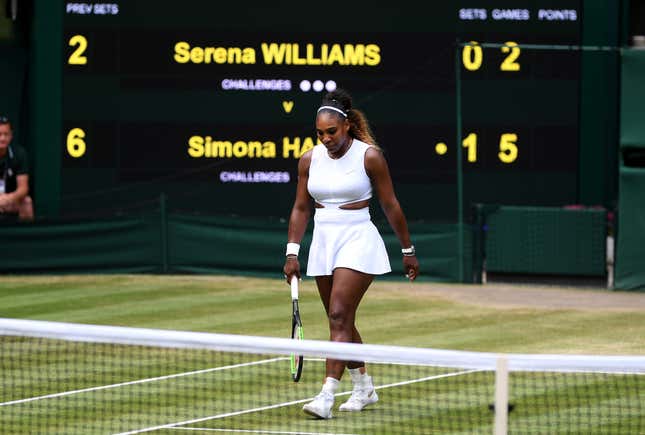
[379, 173]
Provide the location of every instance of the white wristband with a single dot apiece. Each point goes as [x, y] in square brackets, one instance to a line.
[293, 249]
[409, 252]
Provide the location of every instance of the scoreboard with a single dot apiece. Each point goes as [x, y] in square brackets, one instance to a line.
[212, 103]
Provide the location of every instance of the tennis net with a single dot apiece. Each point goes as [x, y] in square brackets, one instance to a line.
[76, 378]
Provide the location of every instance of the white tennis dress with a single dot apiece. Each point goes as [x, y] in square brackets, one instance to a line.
[343, 238]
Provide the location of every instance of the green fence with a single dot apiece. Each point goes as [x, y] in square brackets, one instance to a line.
[168, 242]
[630, 255]
[541, 240]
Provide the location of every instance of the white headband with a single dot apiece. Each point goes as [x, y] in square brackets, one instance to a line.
[333, 108]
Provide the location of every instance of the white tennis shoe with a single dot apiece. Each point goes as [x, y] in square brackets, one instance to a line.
[363, 394]
[321, 406]
[360, 398]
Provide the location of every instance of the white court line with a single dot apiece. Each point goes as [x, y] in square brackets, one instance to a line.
[429, 378]
[207, 429]
[140, 381]
[280, 405]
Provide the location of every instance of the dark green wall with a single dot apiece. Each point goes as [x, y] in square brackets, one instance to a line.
[45, 104]
[156, 241]
[599, 104]
[13, 71]
[546, 240]
[630, 252]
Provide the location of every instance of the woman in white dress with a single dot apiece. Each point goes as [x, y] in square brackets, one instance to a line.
[339, 175]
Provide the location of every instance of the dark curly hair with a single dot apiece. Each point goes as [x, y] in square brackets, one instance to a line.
[359, 127]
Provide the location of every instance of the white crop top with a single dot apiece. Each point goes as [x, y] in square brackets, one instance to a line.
[336, 182]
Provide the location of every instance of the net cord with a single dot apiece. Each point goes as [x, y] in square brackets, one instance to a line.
[315, 348]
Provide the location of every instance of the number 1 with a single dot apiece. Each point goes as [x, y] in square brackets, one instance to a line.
[470, 142]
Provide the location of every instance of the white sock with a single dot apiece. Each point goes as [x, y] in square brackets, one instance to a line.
[330, 385]
[358, 378]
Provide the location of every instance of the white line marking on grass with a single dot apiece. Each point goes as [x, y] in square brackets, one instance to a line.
[293, 402]
[429, 378]
[208, 429]
[213, 417]
[140, 381]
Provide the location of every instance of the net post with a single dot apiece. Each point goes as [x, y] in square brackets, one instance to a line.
[501, 396]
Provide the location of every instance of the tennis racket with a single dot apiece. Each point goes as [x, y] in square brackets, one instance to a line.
[296, 331]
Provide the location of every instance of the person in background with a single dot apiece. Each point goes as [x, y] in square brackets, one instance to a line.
[339, 176]
[14, 176]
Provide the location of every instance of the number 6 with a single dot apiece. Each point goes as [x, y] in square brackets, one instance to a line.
[75, 144]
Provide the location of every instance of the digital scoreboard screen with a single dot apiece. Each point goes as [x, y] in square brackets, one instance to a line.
[213, 103]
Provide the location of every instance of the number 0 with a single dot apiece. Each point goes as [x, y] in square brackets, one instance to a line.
[75, 144]
[472, 56]
[77, 57]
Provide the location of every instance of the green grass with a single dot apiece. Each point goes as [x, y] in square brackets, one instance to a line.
[391, 313]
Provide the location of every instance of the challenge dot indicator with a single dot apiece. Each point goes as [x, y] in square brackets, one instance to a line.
[441, 148]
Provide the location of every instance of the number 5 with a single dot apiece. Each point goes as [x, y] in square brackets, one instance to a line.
[507, 148]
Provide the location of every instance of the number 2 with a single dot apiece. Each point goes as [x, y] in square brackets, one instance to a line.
[472, 56]
[78, 57]
[510, 63]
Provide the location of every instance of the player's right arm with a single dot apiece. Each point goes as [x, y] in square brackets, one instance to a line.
[300, 214]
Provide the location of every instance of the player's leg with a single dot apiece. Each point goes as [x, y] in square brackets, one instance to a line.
[321, 405]
[324, 284]
[356, 338]
[349, 287]
[340, 294]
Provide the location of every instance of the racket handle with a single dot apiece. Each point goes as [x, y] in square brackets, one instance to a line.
[294, 287]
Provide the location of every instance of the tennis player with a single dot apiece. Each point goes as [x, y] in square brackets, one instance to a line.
[341, 174]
